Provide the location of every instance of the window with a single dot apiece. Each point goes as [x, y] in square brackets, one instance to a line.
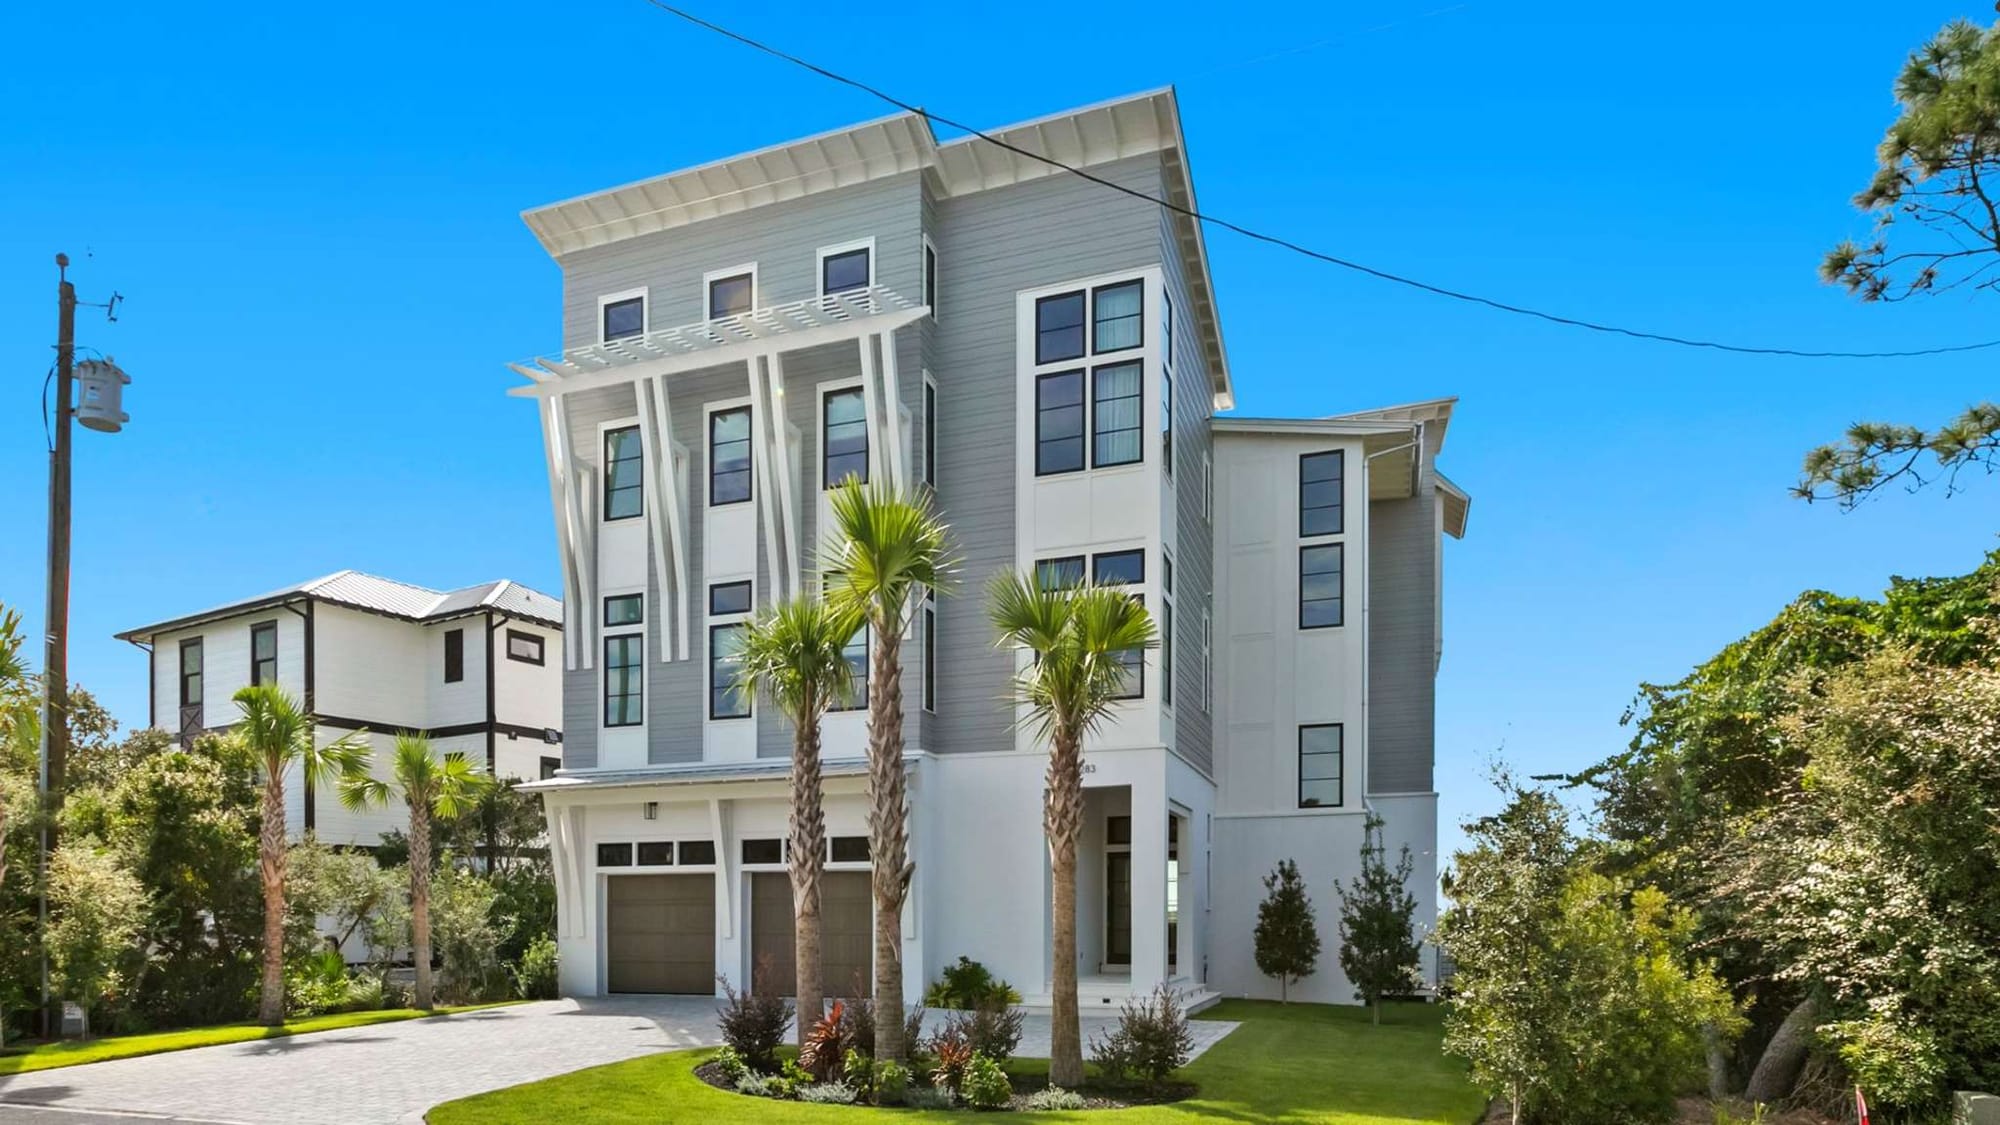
[454, 655]
[697, 853]
[725, 598]
[1167, 423]
[1114, 415]
[656, 853]
[849, 849]
[191, 672]
[1118, 830]
[549, 767]
[1132, 667]
[624, 609]
[1166, 628]
[1059, 328]
[1167, 329]
[770, 850]
[930, 276]
[728, 296]
[264, 653]
[624, 680]
[728, 698]
[1319, 766]
[1319, 586]
[1207, 687]
[1319, 493]
[844, 270]
[623, 317]
[524, 647]
[614, 855]
[1059, 574]
[729, 456]
[930, 433]
[855, 652]
[844, 437]
[1119, 316]
[624, 484]
[1059, 423]
[1207, 487]
[1119, 568]
[930, 653]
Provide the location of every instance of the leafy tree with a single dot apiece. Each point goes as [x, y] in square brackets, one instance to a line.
[888, 549]
[1287, 931]
[433, 789]
[96, 909]
[1872, 455]
[278, 735]
[19, 724]
[1378, 950]
[794, 651]
[1070, 681]
[349, 887]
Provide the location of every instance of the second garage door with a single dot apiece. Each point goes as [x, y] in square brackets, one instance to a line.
[660, 934]
[847, 930]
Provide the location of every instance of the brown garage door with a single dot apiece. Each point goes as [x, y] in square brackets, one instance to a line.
[660, 933]
[847, 919]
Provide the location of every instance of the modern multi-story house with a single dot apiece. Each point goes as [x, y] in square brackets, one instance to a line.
[1043, 353]
[478, 670]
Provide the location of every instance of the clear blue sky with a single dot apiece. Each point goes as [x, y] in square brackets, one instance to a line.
[313, 214]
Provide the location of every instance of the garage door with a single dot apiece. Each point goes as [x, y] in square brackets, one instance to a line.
[846, 919]
[660, 934]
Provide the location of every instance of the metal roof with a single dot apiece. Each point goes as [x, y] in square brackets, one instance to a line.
[696, 773]
[374, 594]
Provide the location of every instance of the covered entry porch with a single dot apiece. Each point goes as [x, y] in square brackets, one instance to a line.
[1134, 875]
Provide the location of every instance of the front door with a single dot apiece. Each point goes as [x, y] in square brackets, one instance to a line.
[1118, 908]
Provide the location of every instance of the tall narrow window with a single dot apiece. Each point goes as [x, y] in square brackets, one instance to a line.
[624, 680]
[264, 653]
[729, 456]
[454, 655]
[1167, 329]
[1059, 423]
[728, 296]
[930, 276]
[1167, 423]
[930, 652]
[1059, 327]
[624, 482]
[930, 433]
[846, 270]
[191, 672]
[1319, 493]
[1320, 766]
[1319, 586]
[1114, 415]
[1125, 568]
[1166, 628]
[728, 698]
[856, 654]
[624, 317]
[1119, 317]
[1207, 670]
[844, 437]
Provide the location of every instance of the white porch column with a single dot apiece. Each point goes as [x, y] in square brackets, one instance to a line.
[1149, 881]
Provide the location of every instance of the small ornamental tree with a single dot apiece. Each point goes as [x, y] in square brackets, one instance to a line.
[1287, 932]
[1377, 950]
[98, 910]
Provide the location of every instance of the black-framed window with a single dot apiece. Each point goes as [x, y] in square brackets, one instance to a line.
[1059, 423]
[855, 652]
[454, 655]
[624, 609]
[1320, 585]
[1118, 830]
[1116, 393]
[767, 850]
[930, 277]
[1132, 666]
[1118, 568]
[614, 855]
[930, 655]
[1166, 653]
[624, 680]
[1167, 422]
[726, 598]
[930, 434]
[1320, 755]
[524, 647]
[624, 478]
[728, 296]
[191, 672]
[1059, 327]
[729, 456]
[1167, 328]
[697, 853]
[264, 653]
[843, 271]
[1118, 316]
[848, 849]
[843, 437]
[1060, 573]
[728, 697]
[550, 766]
[624, 318]
[656, 853]
[1319, 492]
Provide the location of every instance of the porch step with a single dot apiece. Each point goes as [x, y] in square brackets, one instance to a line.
[1094, 999]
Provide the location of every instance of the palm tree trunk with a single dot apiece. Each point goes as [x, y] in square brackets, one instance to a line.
[271, 872]
[1062, 815]
[888, 831]
[420, 900]
[808, 846]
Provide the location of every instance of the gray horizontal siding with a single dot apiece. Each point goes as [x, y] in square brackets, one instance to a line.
[1194, 561]
[1402, 663]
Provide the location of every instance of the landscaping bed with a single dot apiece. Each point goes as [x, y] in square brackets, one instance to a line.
[1027, 1079]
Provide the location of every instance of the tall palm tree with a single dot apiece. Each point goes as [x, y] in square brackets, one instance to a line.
[889, 547]
[434, 789]
[278, 734]
[793, 651]
[1072, 680]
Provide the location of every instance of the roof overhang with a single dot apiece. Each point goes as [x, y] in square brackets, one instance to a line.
[1389, 447]
[1433, 414]
[694, 774]
[144, 634]
[1457, 505]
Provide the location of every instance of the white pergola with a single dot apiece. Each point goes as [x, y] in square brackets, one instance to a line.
[758, 339]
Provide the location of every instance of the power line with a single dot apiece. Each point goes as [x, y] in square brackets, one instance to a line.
[1294, 247]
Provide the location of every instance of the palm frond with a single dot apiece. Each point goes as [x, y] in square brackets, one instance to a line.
[1074, 637]
[793, 652]
[885, 544]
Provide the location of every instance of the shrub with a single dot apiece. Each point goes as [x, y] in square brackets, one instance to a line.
[985, 1085]
[731, 1065]
[858, 1071]
[535, 973]
[892, 1083]
[317, 984]
[826, 1042]
[364, 993]
[1053, 1099]
[927, 1097]
[969, 985]
[762, 1085]
[753, 1024]
[860, 1025]
[953, 1053]
[992, 1031]
[1151, 1041]
[828, 1093]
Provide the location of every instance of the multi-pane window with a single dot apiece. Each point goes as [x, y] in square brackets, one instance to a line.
[1059, 574]
[624, 609]
[1059, 327]
[729, 456]
[454, 655]
[728, 296]
[930, 433]
[1319, 766]
[725, 598]
[1125, 568]
[728, 696]
[524, 647]
[191, 672]
[624, 680]
[264, 653]
[1059, 423]
[1319, 586]
[844, 437]
[1114, 415]
[1119, 318]
[845, 270]
[624, 480]
[1319, 493]
[624, 318]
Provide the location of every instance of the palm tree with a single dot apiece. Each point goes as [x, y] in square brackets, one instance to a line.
[1073, 679]
[794, 652]
[434, 789]
[889, 547]
[278, 734]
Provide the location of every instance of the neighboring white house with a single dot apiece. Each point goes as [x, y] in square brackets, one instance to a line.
[478, 670]
[1044, 355]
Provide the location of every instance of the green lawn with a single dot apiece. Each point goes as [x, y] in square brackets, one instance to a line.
[74, 1053]
[1288, 1064]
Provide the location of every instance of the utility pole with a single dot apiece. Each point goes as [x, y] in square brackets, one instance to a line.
[55, 661]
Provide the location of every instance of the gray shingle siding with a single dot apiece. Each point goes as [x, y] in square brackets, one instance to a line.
[1194, 578]
[1402, 636]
